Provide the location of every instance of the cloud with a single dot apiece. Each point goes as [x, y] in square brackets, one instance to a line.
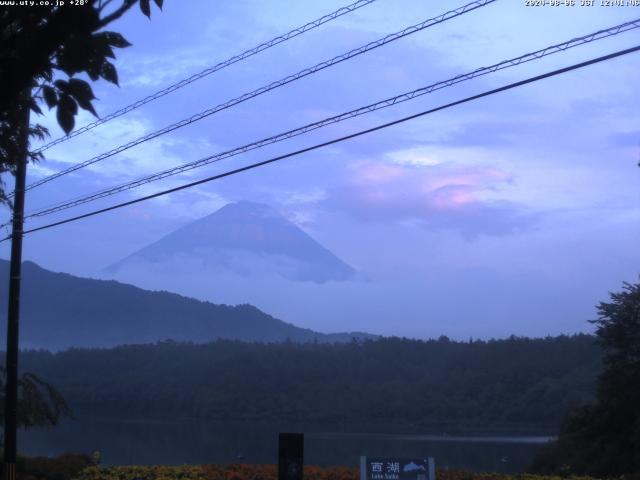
[625, 139]
[313, 195]
[440, 196]
[415, 156]
[163, 69]
[146, 158]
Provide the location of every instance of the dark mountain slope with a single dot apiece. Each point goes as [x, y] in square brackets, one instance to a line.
[59, 310]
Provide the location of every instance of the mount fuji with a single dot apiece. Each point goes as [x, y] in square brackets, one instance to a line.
[246, 239]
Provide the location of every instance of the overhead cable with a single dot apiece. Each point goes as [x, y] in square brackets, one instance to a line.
[279, 83]
[561, 47]
[208, 71]
[340, 139]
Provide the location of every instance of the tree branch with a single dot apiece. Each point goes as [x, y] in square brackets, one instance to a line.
[104, 4]
[117, 13]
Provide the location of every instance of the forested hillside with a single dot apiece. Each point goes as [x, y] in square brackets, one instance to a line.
[515, 383]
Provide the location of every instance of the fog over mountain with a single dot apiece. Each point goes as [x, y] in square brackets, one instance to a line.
[247, 253]
[244, 238]
[59, 310]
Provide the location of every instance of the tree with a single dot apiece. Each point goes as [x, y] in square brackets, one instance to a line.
[43, 50]
[40, 404]
[603, 439]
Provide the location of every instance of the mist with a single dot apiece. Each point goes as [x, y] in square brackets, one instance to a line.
[453, 303]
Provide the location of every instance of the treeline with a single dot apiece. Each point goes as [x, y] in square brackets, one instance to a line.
[602, 439]
[516, 383]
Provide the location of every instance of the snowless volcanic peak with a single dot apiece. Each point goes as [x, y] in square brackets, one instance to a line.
[246, 238]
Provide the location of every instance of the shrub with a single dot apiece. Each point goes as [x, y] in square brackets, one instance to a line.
[64, 467]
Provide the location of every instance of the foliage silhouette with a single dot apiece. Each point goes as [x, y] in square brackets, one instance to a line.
[43, 49]
[39, 404]
[603, 439]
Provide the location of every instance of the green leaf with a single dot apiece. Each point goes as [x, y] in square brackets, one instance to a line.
[93, 69]
[39, 403]
[86, 105]
[61, 85]
[145, 8]
[50, 96]
[115, 39]
[67, 109]
[108, 72]
[68, 103]
[99, 44]
[159, 4]
[107, 51]
[80, 89]
[65, 119]
[34, 107]
[82, 93]
[75, 56]
[38, 131]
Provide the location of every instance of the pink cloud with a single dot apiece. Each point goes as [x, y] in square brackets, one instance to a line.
[376, 173]
[450, 197]
[406, 187]
[443, 194]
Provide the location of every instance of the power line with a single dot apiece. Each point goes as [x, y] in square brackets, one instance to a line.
[208, 71]
[340, 139]
[600, 34]
[291, 78]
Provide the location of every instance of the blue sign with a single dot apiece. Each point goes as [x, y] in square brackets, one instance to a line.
[397, 469]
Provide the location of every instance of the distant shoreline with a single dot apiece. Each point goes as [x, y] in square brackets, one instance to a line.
[326, 430]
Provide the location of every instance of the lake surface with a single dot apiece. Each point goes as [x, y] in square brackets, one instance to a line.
[124, 442]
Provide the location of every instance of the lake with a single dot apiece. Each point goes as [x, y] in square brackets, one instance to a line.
[123, 442]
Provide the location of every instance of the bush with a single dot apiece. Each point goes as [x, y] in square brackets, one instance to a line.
[64, 467]
[270, 472]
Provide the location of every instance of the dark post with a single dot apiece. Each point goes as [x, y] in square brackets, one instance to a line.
[11, 393]
[290, 456]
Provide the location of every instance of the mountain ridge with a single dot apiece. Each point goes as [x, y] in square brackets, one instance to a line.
[60, 310]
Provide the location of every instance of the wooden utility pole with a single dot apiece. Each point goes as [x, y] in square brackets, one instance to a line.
[15, 272]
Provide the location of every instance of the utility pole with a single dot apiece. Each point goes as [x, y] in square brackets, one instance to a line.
[11, 393]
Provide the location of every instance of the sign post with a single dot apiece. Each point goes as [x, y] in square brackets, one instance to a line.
[290, 456]
[397, 468]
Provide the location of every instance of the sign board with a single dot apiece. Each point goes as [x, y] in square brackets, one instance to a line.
[397, 468]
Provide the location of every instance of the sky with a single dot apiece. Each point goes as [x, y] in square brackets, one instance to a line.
[513, 214]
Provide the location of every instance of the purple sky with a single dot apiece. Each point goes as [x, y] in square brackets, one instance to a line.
[513, 214]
